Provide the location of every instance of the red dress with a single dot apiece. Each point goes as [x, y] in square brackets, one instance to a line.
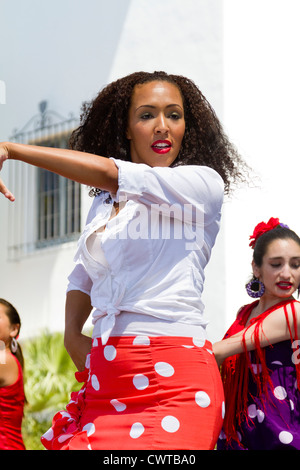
[12, 399]
[142, 393]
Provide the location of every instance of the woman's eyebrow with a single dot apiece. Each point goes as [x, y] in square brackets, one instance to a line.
[153, 107]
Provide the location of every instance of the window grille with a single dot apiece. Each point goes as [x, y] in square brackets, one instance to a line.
[47, 210]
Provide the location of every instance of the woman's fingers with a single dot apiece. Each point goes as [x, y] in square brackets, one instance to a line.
[8, 194]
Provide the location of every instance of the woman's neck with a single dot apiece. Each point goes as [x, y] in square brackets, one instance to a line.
[266, 302]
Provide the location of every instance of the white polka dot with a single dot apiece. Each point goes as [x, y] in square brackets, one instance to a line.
[87, 361]
[252, 411]
[118, 405]
[95, 382]
[140, 381]
[210, 351]
[260, 416]
[110, 353]
[223, 409]
[48, 435]
[278, 363]
[136, 430]
[164, 368]
[280, 393]
[199, 342]
[187, 346]
[64, 437]
[292, 405]
[257, 368]
[222, 435]
[285, 437]
[202, 399]
[89, 428]
[141, 340]
[170, 424]
[95, 342]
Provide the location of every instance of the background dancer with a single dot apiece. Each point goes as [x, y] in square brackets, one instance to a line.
[262, 390]
[12, 397]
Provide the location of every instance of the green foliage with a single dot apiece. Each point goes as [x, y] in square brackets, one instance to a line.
[49, 380]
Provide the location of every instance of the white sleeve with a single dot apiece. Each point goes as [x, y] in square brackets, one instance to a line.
[188, 186]
[79, 280]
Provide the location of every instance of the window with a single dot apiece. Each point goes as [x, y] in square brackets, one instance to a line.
[58, 205]
[47, 210]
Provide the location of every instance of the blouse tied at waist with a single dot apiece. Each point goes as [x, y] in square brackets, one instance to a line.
[152, 276]
[109, 311]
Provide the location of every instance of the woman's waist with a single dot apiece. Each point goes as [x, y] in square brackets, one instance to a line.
[131, 324]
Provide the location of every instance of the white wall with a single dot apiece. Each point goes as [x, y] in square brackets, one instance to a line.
[261, 113]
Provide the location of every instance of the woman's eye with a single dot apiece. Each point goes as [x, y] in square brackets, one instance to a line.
[146, 116]
[175, 116]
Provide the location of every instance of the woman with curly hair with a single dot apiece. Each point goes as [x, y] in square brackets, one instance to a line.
[155, 154]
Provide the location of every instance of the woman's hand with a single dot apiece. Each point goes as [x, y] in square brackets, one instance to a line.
[3, 153]
[6, 192]
[3, 157]
[217, 350]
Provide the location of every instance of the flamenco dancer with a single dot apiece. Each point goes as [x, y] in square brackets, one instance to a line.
[155, 153]
[260, 352]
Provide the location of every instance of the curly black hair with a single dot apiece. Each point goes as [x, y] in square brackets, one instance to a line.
[104, 121]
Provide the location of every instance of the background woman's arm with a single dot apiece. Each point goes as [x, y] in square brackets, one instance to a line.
[273, 330]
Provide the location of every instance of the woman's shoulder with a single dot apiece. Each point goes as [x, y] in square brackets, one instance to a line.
[9, 369]
[200, 171]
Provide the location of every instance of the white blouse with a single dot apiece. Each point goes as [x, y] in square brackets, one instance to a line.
[152, 254]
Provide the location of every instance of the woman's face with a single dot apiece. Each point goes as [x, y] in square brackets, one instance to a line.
[7, 330]
[280, 269]
[156, 123]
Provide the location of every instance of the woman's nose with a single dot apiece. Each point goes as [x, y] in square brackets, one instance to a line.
[285, 272]
[161, 126]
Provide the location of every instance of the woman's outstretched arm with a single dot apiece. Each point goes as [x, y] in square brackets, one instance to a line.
[82, 167]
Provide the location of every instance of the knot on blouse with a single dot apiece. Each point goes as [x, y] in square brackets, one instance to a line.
[109, 313]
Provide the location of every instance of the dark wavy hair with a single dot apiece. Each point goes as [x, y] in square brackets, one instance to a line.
[263, 242]
[104, 122]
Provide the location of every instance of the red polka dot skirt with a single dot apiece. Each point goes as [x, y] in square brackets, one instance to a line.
[144, 393]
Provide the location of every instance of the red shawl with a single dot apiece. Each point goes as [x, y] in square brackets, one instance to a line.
[235, 369]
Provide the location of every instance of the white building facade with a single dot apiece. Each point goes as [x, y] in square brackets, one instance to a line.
[240, 53]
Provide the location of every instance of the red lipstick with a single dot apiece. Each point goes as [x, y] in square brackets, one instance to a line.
[161, 146]
[284, 285]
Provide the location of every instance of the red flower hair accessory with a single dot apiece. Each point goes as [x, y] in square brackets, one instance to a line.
[262, 228]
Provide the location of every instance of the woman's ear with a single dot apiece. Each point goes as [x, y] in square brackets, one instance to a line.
[14, 331]
[255, 270]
